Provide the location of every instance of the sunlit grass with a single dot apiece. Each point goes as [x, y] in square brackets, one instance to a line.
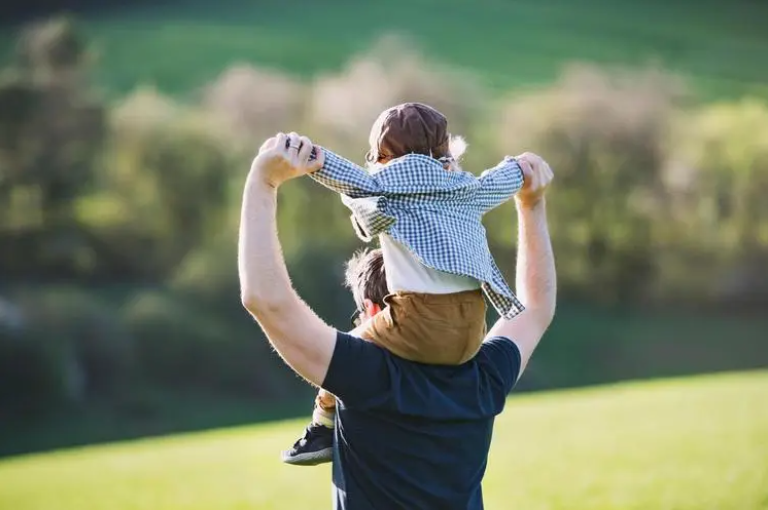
[689, 444]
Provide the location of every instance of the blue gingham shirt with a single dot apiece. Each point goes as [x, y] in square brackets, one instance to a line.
[437, 214]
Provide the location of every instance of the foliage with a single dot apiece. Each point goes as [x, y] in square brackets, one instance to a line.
[658, 203]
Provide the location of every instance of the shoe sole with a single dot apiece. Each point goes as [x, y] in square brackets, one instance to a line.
[310, 458]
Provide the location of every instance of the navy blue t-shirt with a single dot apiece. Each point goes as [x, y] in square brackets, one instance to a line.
[414, 436]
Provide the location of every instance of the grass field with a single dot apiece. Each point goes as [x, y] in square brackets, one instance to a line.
[182, 45]
[690, 444]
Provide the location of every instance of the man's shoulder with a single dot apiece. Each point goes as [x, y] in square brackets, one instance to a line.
[358, 371]
[502, 344]
[363, 374]
[502, 359]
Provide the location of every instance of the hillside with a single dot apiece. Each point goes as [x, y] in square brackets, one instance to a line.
[181, 45]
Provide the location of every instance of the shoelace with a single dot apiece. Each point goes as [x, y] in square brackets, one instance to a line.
[305, 438]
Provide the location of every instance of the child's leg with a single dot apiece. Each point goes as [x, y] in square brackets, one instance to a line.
[316, 445]
[325, 409]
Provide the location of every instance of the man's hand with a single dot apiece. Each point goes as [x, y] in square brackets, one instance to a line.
[284, 157]
[537, 176]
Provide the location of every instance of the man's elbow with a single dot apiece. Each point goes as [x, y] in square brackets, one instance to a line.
[262, 305]
[543, 315]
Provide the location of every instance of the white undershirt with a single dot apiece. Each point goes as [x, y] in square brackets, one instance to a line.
[406, 273]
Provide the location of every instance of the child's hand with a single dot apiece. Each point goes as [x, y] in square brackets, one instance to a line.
[284, 157]
[315, 155]
[537, 176]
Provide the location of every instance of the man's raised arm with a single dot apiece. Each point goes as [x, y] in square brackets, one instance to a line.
[536, 279]
[301, 338]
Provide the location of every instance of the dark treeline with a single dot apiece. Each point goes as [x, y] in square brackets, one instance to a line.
[13, 12]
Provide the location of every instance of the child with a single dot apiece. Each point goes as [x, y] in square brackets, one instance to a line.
[427, 214]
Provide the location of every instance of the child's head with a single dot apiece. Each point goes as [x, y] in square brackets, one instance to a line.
[413, 128]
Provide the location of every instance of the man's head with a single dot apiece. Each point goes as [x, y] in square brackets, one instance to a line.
[366, 278]
[412, 128]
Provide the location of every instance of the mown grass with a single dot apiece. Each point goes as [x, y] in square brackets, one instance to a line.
[688, 444]
[181, 45]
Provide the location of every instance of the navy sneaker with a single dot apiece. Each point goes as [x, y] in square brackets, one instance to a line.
[313, 448]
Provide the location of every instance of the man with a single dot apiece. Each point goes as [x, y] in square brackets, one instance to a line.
[426, 213]
[407, 435]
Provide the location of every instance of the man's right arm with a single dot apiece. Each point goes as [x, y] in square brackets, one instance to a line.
[536, 280]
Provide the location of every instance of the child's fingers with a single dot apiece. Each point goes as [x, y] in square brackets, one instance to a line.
[311, 157]
[317, 163]
[305, 150]
[527, 169]
[280, 142]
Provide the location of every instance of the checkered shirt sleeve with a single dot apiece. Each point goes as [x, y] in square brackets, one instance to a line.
[343, 176]
[500, 183]
[369, 218]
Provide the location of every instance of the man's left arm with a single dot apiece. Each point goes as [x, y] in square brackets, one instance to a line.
[536, 275]
[302, 339]
[499, 184]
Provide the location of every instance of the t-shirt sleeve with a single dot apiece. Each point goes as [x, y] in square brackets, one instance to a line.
[503, 361]
[359, 373]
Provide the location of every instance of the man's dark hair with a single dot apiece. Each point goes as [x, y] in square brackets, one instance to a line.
[366, 278]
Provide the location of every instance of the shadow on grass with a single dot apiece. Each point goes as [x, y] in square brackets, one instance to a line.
[106, 422]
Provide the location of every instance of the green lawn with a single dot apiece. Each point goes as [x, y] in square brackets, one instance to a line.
[721, 45]
[690, 444]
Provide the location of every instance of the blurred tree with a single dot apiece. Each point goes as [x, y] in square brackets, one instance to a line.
[652, 201]
[722, 210]
[52, 128]
[163, 185]
[605, 134]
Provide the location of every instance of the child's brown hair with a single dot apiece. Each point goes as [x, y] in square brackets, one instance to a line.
[413, 128]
